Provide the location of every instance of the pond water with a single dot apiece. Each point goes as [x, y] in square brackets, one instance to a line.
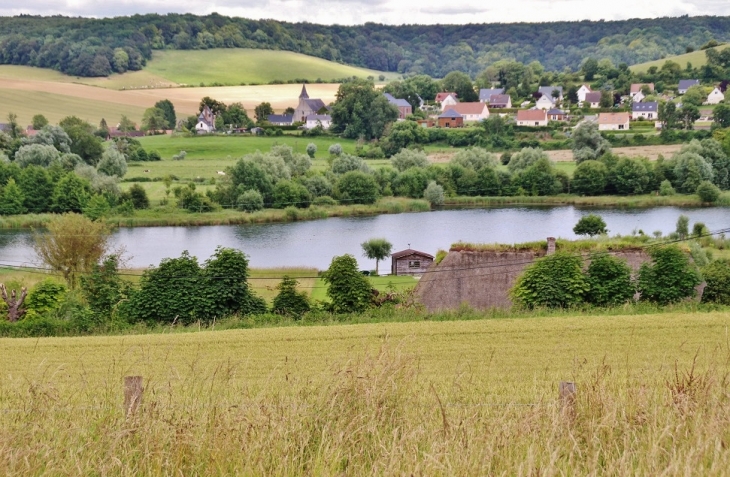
[314, 243]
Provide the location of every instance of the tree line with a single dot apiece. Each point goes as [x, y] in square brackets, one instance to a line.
[99, 47]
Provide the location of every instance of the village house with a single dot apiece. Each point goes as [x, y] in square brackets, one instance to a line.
[556, 115]
[307, 106]
[648, 110]
[592, 99]
[314, 120]
[686, 84]
[30, 131]
[715, 96]
[280, 119]
[446, 99]
[531, 117]
[545, 102]
[471, 112]
[548, 91]
[426, 123]
[115, 132]
[206, 121]
[485, 94]
[613, 121]
[410, 262]
[451, 119]
[582, 92]
[636, 89]
[404, 107]
[500, 101]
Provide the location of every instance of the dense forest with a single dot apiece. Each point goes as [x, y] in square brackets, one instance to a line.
[99, 47]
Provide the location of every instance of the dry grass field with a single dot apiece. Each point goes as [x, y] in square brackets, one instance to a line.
[429, 398]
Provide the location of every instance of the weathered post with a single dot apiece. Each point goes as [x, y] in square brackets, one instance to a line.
[550, 245]
[132, 394]
[567, 392]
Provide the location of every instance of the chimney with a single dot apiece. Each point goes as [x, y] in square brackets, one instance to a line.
[551, 245]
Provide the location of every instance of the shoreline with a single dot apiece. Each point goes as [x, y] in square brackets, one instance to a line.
[181, 218]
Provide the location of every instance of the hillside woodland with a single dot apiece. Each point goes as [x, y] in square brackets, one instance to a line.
[99, 47]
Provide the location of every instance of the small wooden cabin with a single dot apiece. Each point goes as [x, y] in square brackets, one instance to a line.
[410, 262]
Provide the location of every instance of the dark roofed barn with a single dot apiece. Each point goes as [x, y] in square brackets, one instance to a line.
[410, 262]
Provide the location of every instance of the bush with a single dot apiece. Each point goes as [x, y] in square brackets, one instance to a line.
[717, 277]
[590, 178]
[348, 290]
[335, 150]
[407, 159]
[44, 297]
[590, 224]
[555, 281]
[138, 196]
[434, 194]
[708, 192]
[289, 301]
[324, 201]
[609, 279]
[669, 277]
[666, 189]
[250, 201]
[288, 193]
[311, 150]
[356, 187]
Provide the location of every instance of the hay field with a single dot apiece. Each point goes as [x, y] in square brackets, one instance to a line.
[429, 398]
[697, 58]
[59, 99]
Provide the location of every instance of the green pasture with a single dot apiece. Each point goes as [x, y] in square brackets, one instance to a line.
[697, 58]
[383, 284]
[245, 66]
[55, 107]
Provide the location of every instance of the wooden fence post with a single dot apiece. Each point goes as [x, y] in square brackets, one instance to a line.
[567, 392]
[132, 394]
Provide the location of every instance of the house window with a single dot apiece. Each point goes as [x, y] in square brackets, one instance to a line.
[537, 123]
[620, 126]
[651, 115]
[414, 264]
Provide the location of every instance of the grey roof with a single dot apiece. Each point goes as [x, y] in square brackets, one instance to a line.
[4, 127]
[686, 84]
[650, 107]
[556, 111]
[319, 117]
[280, 118]
[401, 103]
[410, 251]
[304, 93]
[499, 99]
[593, 97]
[486, 94]
[548, 90]
[450, 113]
[314, 104]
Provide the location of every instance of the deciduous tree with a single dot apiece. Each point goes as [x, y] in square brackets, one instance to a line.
[377, 249]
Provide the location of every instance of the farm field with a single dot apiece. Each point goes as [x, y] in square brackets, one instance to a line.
[435, 398]
[697, 58]
[237, 66]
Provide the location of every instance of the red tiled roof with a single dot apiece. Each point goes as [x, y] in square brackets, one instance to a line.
[636, 87]
[531, 115]
[613, 118]
[469, 108]
[442, 96]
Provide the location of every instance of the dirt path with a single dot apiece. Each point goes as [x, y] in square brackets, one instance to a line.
[651, 152]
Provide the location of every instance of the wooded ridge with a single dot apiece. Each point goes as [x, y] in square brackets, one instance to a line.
[99, 47]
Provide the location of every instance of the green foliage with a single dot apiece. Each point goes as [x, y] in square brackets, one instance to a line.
[609, 281]
[154, 120]
[669, 278]
[37, 187]
[682, 228]
[377, 249]
[38, 122]
[525, 158]
[250, 201]
[12, 199]
[288, 193]
[590, 178]
[666, 189]
[717, 277]
[356, 187]
[588, 144]
[408, 158]
[42, 155]
[137, 194]
[411, 183]
[71, 194]
[590, 224]
[461, 84]
[44, 297]
[348, 290]
[708, 192]
[112, 163]
[103, 288]
[631, 176]
[361, 111]
[555, 281]
[289, 301]
[168, 112]
[311, 150]
[539, 179]
[434, 193]
[97, 208]
[262, 112]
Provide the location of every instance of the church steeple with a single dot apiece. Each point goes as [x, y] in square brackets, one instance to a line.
[304, 94]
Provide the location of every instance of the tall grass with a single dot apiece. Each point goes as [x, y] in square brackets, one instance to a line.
[639, 201]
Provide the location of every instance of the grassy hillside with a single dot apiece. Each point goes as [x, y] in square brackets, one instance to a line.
[697, 58]
[429, 398]
[246, 66]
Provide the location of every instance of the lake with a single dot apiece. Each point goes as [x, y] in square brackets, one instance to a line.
[314, 243]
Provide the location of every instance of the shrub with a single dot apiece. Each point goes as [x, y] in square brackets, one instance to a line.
[590, 224]
[609, 279]
[407, 159]
[311, 150]
[289, 301]
[590, 178]
[288, 193]
[356, 187]
[666, 189]
[434, 194]
[555, 281]
[250, 201]
[324, 201]
[44, 297]
[669, 277]
[335, 150]
[138, 196]
[717, 277]
[708, 192]
[348, 290]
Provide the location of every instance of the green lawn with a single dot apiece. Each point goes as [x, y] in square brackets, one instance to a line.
[697, 58]
[382, 284]
[238, 66]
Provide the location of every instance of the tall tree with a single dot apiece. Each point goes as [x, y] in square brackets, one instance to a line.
[154, 120]
[168, 110]
[262, 112]
[377, 249]
[361, 111]
[461, 84]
